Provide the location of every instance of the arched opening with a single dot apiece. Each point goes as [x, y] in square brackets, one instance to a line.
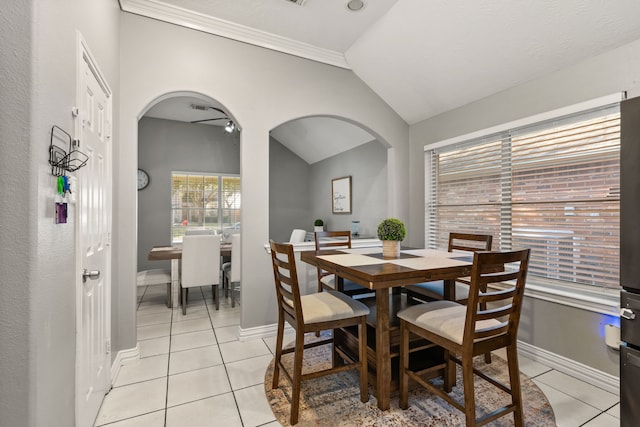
[306, 155]
[189, 157]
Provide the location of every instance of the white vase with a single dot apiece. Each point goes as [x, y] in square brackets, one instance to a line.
[391, 248]
[318, 228]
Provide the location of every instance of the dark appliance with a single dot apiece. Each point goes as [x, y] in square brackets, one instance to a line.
[630, 262]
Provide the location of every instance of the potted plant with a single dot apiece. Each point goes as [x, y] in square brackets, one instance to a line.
[391, 231]
[318, 225]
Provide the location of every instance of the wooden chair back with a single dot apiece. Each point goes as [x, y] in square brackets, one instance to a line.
[330, 240]
[470, 242]
[503, 305]
[286, 281]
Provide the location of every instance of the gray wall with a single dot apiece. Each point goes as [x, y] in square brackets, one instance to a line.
[367, 166]
[570, 332]
[17, 260]
[289, 199]
[261, 89]
[38, 262]
[165, 146]
[573, 333]
[299, 193]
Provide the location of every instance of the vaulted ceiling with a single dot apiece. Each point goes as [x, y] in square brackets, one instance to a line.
[423, 57]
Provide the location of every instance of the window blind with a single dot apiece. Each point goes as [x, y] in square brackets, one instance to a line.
[552, 186]
[204, 200]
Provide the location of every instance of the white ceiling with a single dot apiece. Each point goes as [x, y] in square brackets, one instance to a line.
[317, 138]
[422, 57]
[326, 24]
[180, 108]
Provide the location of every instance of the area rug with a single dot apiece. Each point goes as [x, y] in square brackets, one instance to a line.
[334, 400]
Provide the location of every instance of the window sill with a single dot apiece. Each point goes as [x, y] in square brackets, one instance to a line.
[599, 300]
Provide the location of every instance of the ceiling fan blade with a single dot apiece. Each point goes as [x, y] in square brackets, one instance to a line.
[219, 110]
[209, 120]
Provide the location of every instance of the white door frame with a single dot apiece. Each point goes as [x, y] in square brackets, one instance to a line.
[83, 54]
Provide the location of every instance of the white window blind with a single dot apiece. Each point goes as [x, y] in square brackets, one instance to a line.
[204, 200]
[553, 187]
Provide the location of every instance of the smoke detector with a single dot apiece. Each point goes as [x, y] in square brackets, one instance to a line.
[200, 107]
[355, 5]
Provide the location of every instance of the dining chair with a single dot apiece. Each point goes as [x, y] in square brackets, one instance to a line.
[297, 235]
[326, 280]
[433, 291]
[312, 313]
[156, 276]
[231, 270]
[199, 230]
[470, 331]
[200, 265]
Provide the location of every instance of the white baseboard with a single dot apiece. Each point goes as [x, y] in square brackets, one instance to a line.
[122, 358]
[608, 382]
[264, 331]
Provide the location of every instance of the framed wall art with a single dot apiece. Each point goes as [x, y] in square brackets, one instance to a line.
[341, 195]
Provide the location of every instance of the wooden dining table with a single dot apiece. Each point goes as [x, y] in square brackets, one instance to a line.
[174, 254]
[367, 267]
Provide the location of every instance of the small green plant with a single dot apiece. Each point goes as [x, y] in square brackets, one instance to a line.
[391, 229]
[318, 223]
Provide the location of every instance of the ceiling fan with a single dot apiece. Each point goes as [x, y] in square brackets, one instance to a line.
[205, 108]
[229, 127]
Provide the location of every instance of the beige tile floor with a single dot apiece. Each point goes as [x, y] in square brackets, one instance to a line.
[194, 372]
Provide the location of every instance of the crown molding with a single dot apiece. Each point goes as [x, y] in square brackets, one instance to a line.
[197, 21]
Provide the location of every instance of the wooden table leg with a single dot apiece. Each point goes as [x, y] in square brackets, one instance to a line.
[383, 356]
[450, 290]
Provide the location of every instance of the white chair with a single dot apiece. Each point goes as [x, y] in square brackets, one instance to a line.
[200, 265]
[157, 276]
[199, 231]
[231, 270]
[297, 235]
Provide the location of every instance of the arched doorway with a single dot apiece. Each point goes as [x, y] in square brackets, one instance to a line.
[189, 148]
[306, 154]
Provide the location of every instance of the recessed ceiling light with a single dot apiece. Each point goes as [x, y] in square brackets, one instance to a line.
[355, 5]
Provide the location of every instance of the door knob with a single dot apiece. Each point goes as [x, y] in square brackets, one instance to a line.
[93, 274]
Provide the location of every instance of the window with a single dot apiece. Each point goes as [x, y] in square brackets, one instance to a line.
[204, 200]
[553, 187]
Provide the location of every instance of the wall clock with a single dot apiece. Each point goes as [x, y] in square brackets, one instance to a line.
[143, 179]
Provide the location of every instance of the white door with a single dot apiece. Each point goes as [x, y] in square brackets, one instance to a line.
[93, 363]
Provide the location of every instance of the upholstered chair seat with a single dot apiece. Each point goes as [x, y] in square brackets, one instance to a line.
[330, 306]
[445, 318]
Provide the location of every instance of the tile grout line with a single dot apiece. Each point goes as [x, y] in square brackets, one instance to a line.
[210, 314]
[579, 400]
[224, 364]
[166, 397]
